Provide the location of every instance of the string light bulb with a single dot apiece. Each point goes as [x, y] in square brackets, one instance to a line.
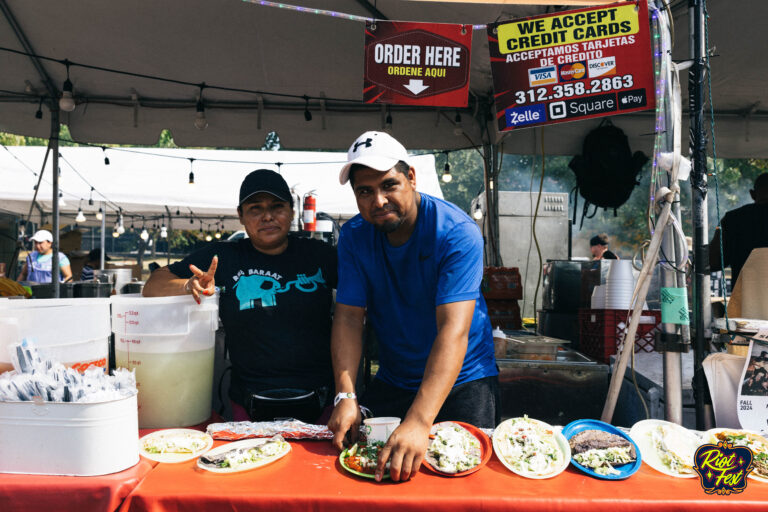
[457, 129]
[106, 158]
[388, 122]
[100, 214]
[67, 100]
[90, 198]
[144, 234]
[201, 123]
[307, 113]
[39, 113]
[163, 231]
[115, 232]
[208, 237]
[80, 217]
[447, 177]
[478, 213]
[191, 172]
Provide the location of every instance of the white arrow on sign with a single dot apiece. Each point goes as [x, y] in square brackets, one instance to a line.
[416, 86]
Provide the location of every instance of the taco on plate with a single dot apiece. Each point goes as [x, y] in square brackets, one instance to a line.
[453, 448]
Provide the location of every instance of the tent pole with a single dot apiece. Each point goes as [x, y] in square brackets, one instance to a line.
[168, 242]
[55, 220]
[102, 235]
[701, 292]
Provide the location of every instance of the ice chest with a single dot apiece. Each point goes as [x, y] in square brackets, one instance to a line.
[75, 439]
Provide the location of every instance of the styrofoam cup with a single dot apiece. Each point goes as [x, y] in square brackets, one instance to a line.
[620, 270]
[379, 429]
[598, 297]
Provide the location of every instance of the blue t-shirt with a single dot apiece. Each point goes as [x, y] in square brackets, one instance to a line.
[401, 287]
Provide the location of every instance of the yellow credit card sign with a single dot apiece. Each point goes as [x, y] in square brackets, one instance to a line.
[568, 28]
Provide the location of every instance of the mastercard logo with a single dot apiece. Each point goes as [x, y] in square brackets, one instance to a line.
[573, 71]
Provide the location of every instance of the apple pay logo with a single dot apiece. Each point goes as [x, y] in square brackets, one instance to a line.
[557, 110]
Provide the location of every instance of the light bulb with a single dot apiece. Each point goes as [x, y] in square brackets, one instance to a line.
[67, 102]
[478, 213]
[163, 232]
[201, 123]
[447, 173]
[217, 235]
[115, 233]
[144, 234]
[208, 237]
[100, 214]
[80, 216]
[120, 228]
[191, 178]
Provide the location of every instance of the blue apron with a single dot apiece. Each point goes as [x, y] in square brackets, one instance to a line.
[40, 271]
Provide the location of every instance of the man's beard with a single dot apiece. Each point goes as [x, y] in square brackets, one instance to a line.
[389, 227]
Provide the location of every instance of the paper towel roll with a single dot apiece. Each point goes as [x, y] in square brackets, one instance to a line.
[754, 285]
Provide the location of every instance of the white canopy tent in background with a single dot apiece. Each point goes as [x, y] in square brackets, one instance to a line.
[143, 182]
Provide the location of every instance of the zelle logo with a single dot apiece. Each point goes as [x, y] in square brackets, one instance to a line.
[542, 76]
[521, 116]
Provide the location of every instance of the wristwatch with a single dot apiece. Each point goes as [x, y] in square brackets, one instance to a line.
[341, 396]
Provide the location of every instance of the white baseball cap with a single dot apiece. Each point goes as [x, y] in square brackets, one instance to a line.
[377, 150]
[42, 236]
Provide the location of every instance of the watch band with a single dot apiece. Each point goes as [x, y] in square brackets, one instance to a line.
[341, 396]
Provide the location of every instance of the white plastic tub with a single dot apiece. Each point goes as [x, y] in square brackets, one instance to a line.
[69, 438]
[56, 322]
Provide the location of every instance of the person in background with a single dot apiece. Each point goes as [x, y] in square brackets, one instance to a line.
[37, 267]
[411, 265]
[276, 297]
[93, 263]
[743, 230]
[598, 246]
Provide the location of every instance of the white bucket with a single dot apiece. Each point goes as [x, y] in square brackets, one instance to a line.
[68, 438]
[80, 325]
[170, 343]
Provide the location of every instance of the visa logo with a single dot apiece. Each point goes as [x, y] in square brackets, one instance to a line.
[542, 76]
[521, 116]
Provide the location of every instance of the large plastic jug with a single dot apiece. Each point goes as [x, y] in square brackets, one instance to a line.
[170, 342]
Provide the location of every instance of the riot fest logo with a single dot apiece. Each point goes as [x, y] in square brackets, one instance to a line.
[723, 468]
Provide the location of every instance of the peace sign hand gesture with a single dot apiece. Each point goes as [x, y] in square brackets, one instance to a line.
[202, 282]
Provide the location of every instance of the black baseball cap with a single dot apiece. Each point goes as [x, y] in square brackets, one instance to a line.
[265, 180]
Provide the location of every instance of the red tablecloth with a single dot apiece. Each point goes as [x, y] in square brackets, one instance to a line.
[30, 493]
[311, 478]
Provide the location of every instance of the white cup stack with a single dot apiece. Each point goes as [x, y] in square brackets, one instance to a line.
[598, 297]
[619, 285]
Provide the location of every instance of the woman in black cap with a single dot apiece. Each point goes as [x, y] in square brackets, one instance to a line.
[275, 303]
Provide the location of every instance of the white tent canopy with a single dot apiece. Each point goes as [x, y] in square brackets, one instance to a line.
[143, 182]
[244, 45]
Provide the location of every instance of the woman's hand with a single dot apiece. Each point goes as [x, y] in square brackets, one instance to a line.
[202, 282]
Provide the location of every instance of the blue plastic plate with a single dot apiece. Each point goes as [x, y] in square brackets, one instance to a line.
[625, 470]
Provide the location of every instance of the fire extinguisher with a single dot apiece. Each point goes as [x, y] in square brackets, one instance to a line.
[310, 211]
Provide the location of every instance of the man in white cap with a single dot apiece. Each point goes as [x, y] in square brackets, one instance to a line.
[38, 265]
[412, 265]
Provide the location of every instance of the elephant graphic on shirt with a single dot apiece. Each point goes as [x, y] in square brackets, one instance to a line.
[249, 289]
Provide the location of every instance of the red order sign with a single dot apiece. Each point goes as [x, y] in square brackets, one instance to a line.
[417, 63]
[572, 65]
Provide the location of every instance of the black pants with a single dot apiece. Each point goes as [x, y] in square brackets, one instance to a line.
[475, 402]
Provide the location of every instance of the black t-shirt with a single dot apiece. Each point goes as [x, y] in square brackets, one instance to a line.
[276, 312]
[743, 229]
[608, 255]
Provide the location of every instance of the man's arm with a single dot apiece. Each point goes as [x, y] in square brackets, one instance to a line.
[23, 273]
[164, 283]
[409, 442]
[346, 349]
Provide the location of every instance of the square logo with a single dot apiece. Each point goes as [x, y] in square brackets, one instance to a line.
[557, 110]
[521, 116]
[542, 76]
[601, 67]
